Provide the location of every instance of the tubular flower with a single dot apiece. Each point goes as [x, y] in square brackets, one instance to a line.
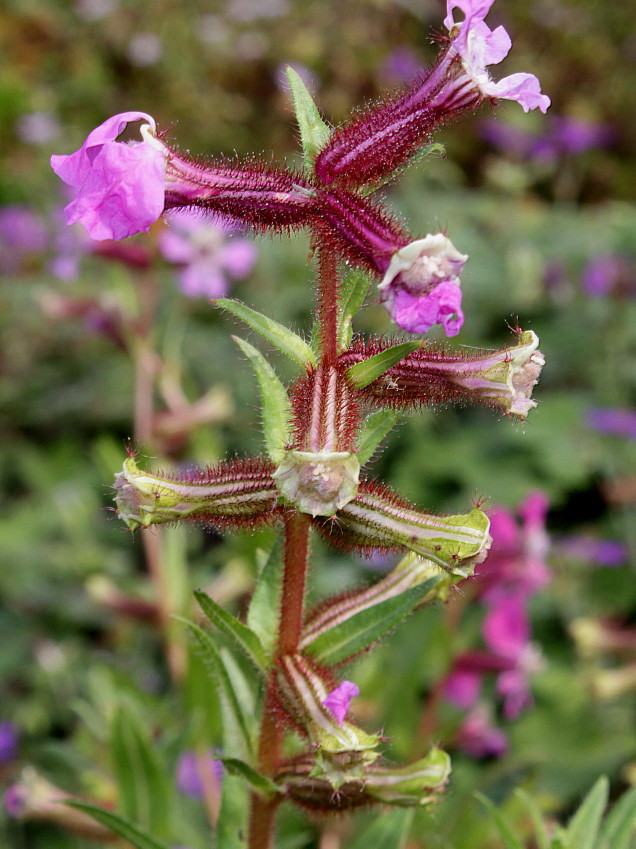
[479, 46]
[120, 185]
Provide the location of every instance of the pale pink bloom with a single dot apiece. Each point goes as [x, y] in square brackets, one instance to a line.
[478, 736]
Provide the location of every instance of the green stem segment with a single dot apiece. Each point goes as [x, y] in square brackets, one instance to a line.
[297, 528]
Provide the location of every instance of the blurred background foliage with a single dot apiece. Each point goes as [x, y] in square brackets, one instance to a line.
[544, 206]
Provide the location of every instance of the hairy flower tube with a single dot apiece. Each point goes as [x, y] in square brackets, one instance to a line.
[502, 379]
[235, 493]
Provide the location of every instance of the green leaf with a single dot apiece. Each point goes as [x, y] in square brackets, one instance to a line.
[145, 796]
[582, 830]
[276, 409]
[362, 629]
[364, 373]
[120, 826]
[540, 833]
[510, 841]
[259, 783]
[240, 634]
[264, 609]
[389, 830]
[288, 342]
[353, 291]
[313, 130]
[374, 428]
[619, 827]
[231, 829]
[238, 729]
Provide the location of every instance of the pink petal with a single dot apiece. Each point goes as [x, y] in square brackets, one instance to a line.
[506, 628]
[418, 313]
[462, 687]
[524, 88]
[237, 257]
[339, 699]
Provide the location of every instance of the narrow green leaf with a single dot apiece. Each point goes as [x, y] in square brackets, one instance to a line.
[276, 409]
[264, 610]
[238, 729]
[120, 826]
[582, 830]
[540, 832]
[389, 830]
[353, 291]
[313, 130]
[240, 634]
[144, 789]
[259, 783]
[374, 428]
[510, 841]
[288, 342]
[231, 829]
[362, 629]
[364, 373]
[619, 828]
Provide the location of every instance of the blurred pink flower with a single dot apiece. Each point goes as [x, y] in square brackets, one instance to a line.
[478, 736]
[338, 700]
[207, 253]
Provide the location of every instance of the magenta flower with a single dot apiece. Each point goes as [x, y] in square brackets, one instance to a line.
[479, 46]
[338, 700]
[420, 287]
[9, 739]
[207, 253]
[478, 736]
[120, 186]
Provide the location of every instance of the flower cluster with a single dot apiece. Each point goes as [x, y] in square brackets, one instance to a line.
[124, 187]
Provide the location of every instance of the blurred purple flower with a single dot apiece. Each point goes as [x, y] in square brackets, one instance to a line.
[14, 801]
[189, 768]
[9, 739]
[609, 274]
[400, 66]
[22, 233]
[38, 128]
[561, 136]
[572, 135]
[590, 549]
[478, 736]
[612, 420]
[463, 686]
[338, 700]
[207, 253]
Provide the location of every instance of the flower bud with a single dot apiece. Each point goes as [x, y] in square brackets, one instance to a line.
[234, 493]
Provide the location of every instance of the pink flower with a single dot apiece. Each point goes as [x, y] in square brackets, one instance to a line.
[120, 186]
[207, 254]
[420, 287]
[478, 736]
[338, 700]
[479, 46]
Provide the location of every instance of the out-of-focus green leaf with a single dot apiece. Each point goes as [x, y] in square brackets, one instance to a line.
[364, 628]
[259, 783]
[389, 830]
[353, 291]
[364, 373]
[288, 342]
[275, 405]
[374, 428]
[264, 610]
[144, 789]
[509, 840]
[242, 636]
[619, 828]
[582, 830]
[120, 825]
[540, 833]
[231, 829]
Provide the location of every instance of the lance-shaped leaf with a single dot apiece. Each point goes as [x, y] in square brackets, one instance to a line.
[378, 519]
[261, 784]
[264, 609]
[534, 812]
[120, 825]
[340, 640]
[582, 830]
[235, 493]
[365, 372]
[145, 792]
[242, 636]
[276, 410]
[505, 831]
[375, 427]
[313, 130]
[288, 342]
[389, 830]
[620, 824]
[231, 829]
[238, 726]
[353, 291]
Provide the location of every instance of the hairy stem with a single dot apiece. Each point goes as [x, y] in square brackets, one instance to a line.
[297, 527]
[328, 265]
